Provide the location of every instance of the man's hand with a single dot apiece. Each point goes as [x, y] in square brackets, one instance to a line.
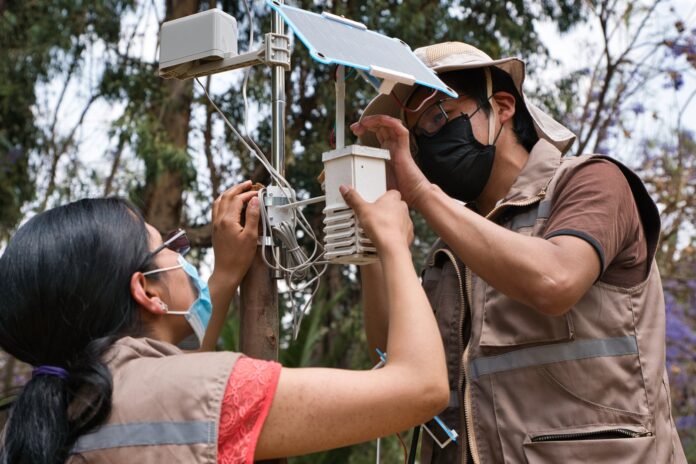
[386, 221]
[235, 245]
[403, 173]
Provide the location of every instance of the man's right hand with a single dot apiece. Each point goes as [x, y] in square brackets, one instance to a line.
[403, 173]
[386, 221]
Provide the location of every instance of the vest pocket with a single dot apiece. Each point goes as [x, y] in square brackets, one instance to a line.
[601, 443]
[507, 322]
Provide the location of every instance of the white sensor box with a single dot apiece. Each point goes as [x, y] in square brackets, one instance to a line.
[209, 35]
[364, 169]
[356, 166]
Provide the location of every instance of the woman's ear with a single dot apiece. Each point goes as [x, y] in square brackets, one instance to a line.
[505, 103]
[146, 297]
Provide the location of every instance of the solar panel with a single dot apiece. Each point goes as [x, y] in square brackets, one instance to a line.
[335, 40]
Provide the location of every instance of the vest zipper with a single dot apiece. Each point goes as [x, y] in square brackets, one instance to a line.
[465, 293]
[529, 201]
[625, 433]
[473, 448]
[465, 298]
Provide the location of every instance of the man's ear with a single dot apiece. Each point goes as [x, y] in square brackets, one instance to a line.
[146, 297]
[505, 103]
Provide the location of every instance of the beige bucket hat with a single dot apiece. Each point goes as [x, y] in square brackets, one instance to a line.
[453, 56]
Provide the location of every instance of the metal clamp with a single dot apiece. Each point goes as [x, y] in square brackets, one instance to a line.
[270, 200]
[274, 52]
[277, 50]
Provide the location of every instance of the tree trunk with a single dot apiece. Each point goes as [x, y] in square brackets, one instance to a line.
[163, 198]
[259, 312]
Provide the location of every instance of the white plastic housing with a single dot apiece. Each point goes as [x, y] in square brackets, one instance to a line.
[276, 197]
[364, 169]
[357, 166]
[210, 35]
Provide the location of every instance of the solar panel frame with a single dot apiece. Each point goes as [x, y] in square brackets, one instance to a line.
[332, 41]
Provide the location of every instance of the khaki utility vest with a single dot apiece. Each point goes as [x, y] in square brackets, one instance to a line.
[165, 405]
[586, 387]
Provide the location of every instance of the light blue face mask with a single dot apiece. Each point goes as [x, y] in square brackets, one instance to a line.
[198, 314]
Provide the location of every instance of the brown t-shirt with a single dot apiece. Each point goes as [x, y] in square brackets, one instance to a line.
[596, 204]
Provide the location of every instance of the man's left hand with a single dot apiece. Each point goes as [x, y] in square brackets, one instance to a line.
[403, 175]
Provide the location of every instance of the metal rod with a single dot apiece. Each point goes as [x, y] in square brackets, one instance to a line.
[259, 292]
[278, 103]
[278, 111]
[340, 107]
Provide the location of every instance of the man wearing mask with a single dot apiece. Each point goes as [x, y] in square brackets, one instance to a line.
[543, 281]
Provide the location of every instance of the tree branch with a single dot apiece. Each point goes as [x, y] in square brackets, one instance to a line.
[115, 164]
[58, 152]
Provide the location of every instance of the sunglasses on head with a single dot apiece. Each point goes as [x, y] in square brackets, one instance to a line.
[175, 240]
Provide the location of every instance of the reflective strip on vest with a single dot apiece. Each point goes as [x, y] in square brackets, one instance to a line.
[540, 355]
[147, 433]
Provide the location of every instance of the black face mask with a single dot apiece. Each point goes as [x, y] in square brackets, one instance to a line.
[454, 160]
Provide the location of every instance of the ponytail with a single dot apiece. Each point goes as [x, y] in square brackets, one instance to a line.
[37, 430]
[64, 301]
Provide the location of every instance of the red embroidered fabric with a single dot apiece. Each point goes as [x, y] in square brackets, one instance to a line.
[248, 396]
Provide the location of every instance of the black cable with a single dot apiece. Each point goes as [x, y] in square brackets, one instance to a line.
[414, 445]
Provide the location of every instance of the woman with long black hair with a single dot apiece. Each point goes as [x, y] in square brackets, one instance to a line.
[96, 300]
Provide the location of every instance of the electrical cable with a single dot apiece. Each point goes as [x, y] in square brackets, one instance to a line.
[403, 445]
[414, 444]
[300, 266]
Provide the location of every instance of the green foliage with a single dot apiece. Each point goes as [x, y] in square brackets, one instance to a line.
[39, 39]
[159, 154]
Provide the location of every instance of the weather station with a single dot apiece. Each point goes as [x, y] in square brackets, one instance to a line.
[206, 43]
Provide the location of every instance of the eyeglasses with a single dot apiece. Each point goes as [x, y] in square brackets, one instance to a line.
[175, 240]
[432, 119]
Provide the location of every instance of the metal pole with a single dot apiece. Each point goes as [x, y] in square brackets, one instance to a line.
[278, 118]
[340, 107]
[278, 102]
[259, 324]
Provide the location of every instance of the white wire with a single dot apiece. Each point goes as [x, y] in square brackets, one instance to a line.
[300, 266]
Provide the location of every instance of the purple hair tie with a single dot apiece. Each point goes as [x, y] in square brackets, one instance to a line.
[50, 370]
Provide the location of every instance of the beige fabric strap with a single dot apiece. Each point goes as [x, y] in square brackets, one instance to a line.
[494, 106]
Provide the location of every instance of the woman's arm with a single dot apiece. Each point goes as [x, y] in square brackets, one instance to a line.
[234, 246]
[318, 409]
[375, 307]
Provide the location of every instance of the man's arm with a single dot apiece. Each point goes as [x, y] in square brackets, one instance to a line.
[548, 275]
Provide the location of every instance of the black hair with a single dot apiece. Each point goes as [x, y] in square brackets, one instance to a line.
[472, 83]
[64, 299]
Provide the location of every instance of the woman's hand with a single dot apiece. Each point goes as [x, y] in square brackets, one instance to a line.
[386, 221]
[404, 175]
[235, 245]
